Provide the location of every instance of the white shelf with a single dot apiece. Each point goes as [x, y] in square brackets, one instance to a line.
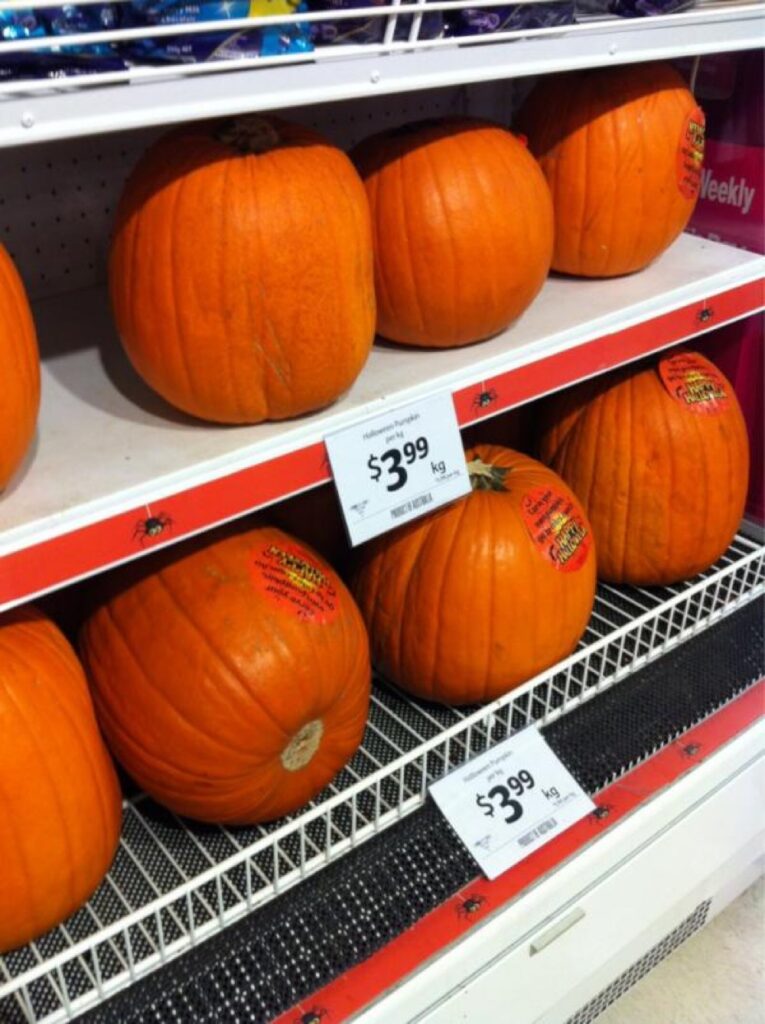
[37, 111]
[626, 895]
[174, 884]
[109, 452]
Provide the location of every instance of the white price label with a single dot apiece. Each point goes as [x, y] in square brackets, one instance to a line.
[397, 466]
[509, 801]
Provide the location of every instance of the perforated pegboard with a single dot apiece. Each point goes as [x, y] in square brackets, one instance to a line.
[57, 200]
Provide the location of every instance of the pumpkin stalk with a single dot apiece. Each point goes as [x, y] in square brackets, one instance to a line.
[484, 477]
[249, 135]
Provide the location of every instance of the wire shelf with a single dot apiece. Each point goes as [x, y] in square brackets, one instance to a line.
[174, 883]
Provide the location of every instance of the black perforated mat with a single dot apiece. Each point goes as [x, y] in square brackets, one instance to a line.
[302, 940]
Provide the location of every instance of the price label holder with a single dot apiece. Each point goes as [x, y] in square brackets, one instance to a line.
[396, 466]
[510, 800]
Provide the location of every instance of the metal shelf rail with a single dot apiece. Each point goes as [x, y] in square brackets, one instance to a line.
[174, 883]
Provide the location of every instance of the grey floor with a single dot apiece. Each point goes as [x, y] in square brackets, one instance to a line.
[716, 977]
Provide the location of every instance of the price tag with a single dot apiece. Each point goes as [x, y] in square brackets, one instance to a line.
[397, 466]
[509, 801]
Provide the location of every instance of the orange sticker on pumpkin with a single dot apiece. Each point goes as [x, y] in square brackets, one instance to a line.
[290, 577]
[690, 153]
[695, 383]
[557, 527]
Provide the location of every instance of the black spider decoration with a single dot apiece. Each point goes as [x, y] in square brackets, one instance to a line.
[152, 527]
[705, 315]
[313, 1016]
[691, 749]
[602, 812]
[471, 905]
[484, 398]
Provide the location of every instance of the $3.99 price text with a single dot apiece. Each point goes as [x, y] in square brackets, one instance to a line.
[503, 797]
[394, 461]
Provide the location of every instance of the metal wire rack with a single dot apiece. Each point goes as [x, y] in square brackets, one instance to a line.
[174, 883]
[392, 26]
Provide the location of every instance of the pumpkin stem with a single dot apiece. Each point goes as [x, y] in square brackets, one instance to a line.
[249, 134]
[484, 477]
[301, 748]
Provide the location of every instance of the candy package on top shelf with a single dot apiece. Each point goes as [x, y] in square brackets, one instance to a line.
[474, 21]
[59, 61]
[369, 30]
[586, 9]
[239, 44]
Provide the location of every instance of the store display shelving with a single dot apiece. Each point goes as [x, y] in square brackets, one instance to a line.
[109, 453]
[174, 884]
[40, 111]
[58, 524]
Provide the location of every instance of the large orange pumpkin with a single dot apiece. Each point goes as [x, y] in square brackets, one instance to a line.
[232, 681]
[241, 270]
[60, 808]
[659, 457]
[467, 603]
[622, 150]
[462, 224]
[19, 371]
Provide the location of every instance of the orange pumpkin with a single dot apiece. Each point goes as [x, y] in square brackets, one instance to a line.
[316, 518]
[241, 270]
[658, 454]
[462, 223]
[19, 371]
[232, 681]
[465, 604]
[60, 808]
[622, 150]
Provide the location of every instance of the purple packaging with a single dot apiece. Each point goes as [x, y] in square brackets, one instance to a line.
[481, 20]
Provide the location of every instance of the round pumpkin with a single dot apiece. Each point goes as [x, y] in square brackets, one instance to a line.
[622, 150]
[659, 456]
[315, 517]
[467, 603]
[462, 223]
[232, 681]
[19, 371]
[241, 270]
[60, 806]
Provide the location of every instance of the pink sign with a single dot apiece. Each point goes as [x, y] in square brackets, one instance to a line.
[731, 204]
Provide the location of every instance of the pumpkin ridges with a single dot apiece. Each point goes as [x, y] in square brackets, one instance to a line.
[431, 222]
[455, 275]
[57, 815]
[233, 675]
[84, 712]
[566, 113]
[432, 570]
[120, 632]
[225, 598]
[677, 523]
[19, 371]
[210, 236]
[41, 761]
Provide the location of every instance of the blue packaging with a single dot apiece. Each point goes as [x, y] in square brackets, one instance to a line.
[368, 30]
[476, 21]
[23, 24]
[69, 19]
[59, 62]
[268, 41]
